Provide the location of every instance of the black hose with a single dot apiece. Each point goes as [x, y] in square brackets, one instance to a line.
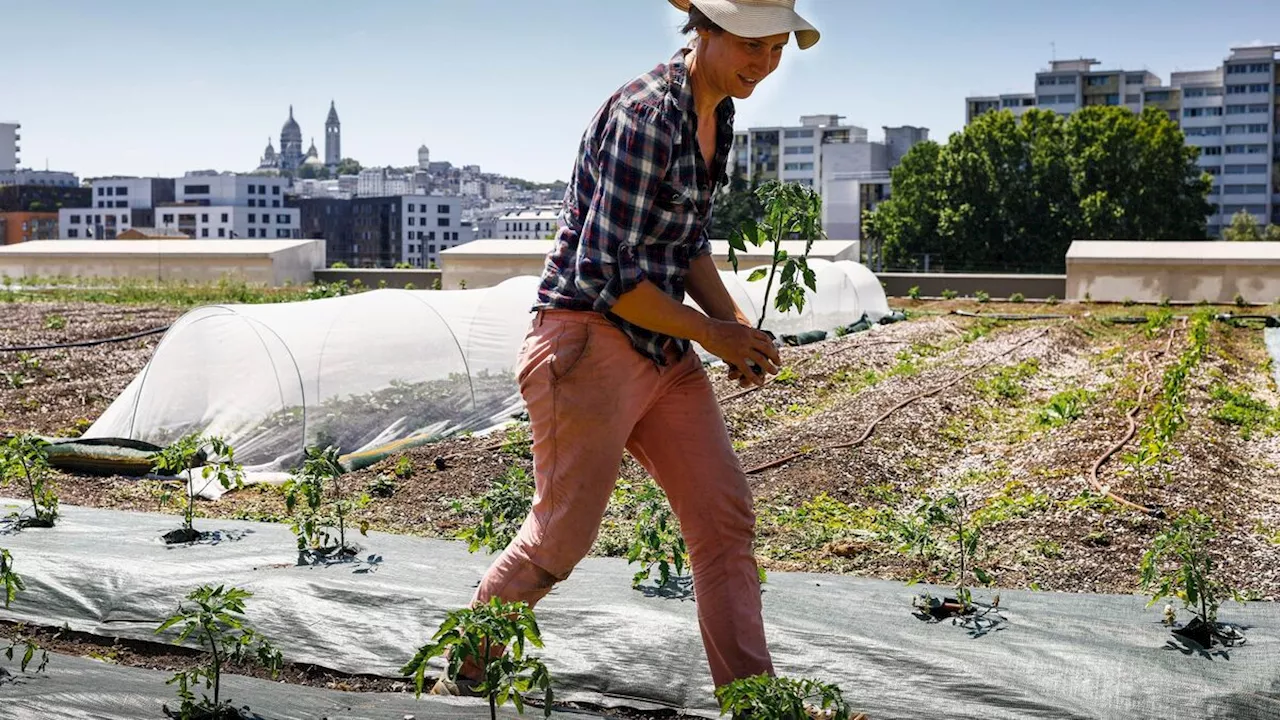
[997, 316]
[86, 343]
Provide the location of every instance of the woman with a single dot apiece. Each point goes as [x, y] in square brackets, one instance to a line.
[608, 363]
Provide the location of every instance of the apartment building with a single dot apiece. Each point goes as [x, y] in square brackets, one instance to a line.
[9, 148]
[383, 231]
[790, 154]
[115, 204]
[529, 224]
[1232, 113]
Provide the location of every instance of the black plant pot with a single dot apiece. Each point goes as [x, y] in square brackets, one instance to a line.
[1197, 631]
[181, 536]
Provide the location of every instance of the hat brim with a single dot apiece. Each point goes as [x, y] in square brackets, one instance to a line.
[755, 20]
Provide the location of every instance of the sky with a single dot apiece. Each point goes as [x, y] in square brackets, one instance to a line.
[157, 87]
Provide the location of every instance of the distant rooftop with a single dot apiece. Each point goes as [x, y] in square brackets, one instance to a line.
[1191, 251]
[149, 247]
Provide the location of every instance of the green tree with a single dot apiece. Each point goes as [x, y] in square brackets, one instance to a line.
[1015, 192]
[730, 208]
[347, 166]
[1244, 227]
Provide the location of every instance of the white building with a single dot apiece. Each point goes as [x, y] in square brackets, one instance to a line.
[791, 154]
[378, 182]
[529, 224]
[9, 147]
[116, 202]
[1230, 113]
[230, 206]
[431, 224]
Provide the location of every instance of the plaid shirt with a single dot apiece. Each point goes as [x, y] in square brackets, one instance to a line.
[638, 203]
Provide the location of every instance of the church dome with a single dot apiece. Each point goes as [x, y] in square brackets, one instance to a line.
[270, 152]
[291, 131]
[311, 151]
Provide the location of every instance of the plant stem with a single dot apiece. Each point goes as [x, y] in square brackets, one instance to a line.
[773, 270]
[217, 664]
[31, 485]
[960, 526]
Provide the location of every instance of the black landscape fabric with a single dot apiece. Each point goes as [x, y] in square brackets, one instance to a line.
[1055, 656]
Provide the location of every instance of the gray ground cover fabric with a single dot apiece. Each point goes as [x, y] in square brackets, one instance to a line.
[1057, 656]
[74, 688]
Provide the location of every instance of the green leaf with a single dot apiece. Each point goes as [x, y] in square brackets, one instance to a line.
[757, 274]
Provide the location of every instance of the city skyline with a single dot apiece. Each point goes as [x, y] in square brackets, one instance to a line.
[199, 87]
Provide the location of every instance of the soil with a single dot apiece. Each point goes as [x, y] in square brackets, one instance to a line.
[974, 433]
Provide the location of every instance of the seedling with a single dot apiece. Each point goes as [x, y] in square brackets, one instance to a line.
[949, 294]
[181, 458]
[791, 210]
[504, 507]
[494, 636]
[12, 585]
[1017, 298]
[23, 460]
[404, 468]
[914, 292]
[765, 697]
[217, 621]
[325, 510]
[1185, 547]
[656, 539]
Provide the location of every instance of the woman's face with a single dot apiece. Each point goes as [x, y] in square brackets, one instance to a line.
[735, 65]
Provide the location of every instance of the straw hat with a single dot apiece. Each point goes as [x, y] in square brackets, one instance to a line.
[756, 18]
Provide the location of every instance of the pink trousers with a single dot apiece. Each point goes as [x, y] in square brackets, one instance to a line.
[589, 395]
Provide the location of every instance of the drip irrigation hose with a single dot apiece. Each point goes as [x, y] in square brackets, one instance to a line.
[998, 316]
[919, 396]
[747, 391]
[1131, 419]
[86, 343]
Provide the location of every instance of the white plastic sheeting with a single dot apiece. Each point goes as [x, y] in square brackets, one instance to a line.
[364, 370]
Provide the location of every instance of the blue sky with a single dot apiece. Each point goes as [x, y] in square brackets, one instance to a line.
[160, 87]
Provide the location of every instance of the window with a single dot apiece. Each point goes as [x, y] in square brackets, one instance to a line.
[1235, 169]
[204, 217]
[431, 235]
[1203, 131]
[1237, 109]
[266, 219]
[109, 191]
[1050, 80]
[1069, 80]
[1100, 80]
[196, 189]
[168, 219]
[412, 207]
[1213, 92]
[1135, 79]
[73, 233]
[253, 232]
[798, 134]
[262, 189]
[1211, 151]
[204, 232]
[1234, 149]
[1258, 128]
[1193, 92]
[1048, 99]
[442, 209]
[222, 232]
[253, 189]
[101, 192]
[75, 219]
[224, 217]
[122, 191]
[122, 204]
[799, 150]
[1237, 69]
[1260, 67]
[1237, 129]
[275, 189]
[410, 221]
[276, 204]
[442, 222]
[102, 203]
[1237, 89]
[1257, 169]
[253, 217]
[1158, 96]
[1132, 99]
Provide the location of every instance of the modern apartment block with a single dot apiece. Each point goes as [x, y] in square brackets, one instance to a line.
[1232, 113]
[790, 154]
[9, 147]
[382, 231]
[535, 223]
[115, 204]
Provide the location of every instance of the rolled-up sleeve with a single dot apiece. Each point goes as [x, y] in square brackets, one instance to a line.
[632, 158]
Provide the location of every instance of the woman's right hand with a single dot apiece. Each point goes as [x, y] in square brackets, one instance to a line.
[741, 345]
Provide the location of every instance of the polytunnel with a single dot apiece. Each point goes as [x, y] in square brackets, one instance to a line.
[367, 370]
